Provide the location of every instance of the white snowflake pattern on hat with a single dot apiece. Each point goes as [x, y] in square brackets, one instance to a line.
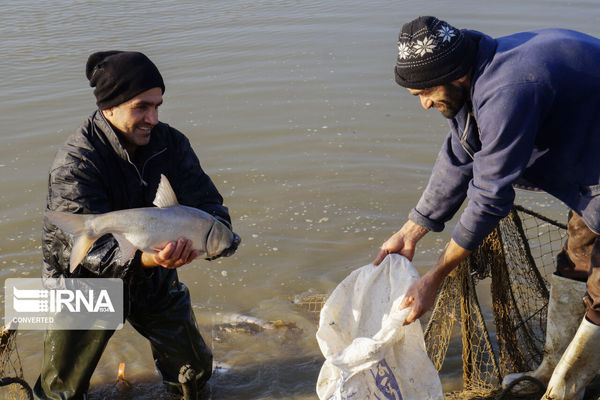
[446, 33]
[432, 52]
[404, 50]
[424, 46]
[435, 41]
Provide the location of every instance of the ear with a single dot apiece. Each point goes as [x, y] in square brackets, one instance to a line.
[464, 80]
[108, 113]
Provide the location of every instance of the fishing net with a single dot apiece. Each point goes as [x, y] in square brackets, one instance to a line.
[311, 305]
[514, 261]
[513, 264]
[12, 384]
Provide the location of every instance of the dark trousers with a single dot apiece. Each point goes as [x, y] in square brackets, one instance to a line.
[161, 312]
[579, 259]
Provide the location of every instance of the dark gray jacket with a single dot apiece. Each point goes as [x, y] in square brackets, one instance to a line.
[92, 173]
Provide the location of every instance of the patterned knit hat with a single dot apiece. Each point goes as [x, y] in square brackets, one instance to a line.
[121, 75]
[432, 52]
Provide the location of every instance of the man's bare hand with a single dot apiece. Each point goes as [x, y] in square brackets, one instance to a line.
[173, 255]
[421, 295]
[402, 242]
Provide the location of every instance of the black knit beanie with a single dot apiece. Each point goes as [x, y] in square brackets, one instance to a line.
[432, 52]
[120, 75]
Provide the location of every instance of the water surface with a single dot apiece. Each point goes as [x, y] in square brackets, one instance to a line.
[292, 109]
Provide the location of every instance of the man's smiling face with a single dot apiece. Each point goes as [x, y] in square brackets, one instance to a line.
[136, 117]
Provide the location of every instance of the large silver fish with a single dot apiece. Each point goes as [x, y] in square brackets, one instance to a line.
[148, 228]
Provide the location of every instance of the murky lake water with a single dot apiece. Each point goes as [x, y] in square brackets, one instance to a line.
[293, 111]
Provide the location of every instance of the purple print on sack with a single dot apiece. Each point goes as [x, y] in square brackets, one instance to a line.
[386, 382]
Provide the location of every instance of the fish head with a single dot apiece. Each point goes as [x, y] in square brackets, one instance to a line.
[219, 239]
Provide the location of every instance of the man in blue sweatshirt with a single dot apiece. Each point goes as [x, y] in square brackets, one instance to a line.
[524, 111]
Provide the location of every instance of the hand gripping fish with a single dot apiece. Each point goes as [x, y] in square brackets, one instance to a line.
[148, 228]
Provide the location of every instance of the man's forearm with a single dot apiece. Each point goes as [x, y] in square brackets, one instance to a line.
[147, 260]
[402, 242]
[452, 256]
[413, 232]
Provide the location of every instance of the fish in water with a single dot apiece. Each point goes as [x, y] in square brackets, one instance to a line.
[236, 324]
[148, 228]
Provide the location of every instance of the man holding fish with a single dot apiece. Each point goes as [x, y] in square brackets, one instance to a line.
[524, 112]
[100, 222]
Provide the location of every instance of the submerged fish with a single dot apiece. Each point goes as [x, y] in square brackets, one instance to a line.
[148, 228]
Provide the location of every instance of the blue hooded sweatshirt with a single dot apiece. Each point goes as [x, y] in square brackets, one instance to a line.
[534, 123]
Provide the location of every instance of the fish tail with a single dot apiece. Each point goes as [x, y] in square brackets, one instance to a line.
[76, 225]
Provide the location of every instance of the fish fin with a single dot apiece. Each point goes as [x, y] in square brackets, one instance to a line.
[76, 225]
[165, 196]
[127, 248]
[81, 245]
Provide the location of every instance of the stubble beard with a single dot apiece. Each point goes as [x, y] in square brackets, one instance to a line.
[456, 97]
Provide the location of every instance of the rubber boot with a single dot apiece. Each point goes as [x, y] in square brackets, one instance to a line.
[565, 311]
[578, 366]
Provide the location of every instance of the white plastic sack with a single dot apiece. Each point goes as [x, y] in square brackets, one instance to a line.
[368, 353]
